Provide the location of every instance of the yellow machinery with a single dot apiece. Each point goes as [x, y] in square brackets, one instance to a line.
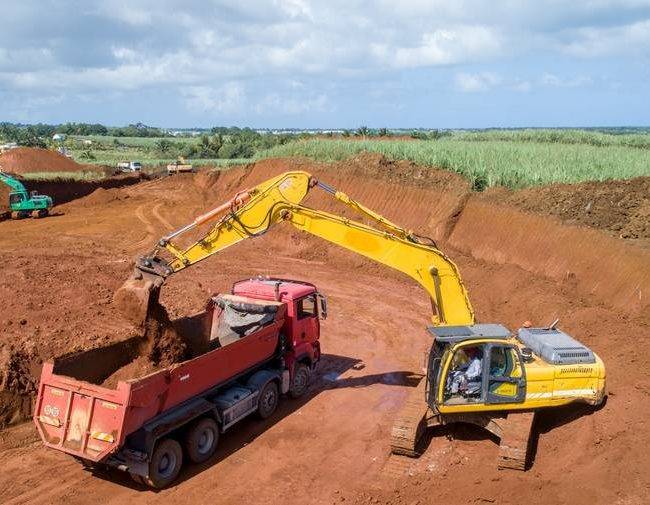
[477, 373]
[179, 166]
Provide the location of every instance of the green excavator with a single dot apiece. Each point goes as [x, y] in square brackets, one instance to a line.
[23, 203]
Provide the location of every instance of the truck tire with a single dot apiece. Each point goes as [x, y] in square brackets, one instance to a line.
[300, 380]
[268, 402]
[201, 439]
[165, 463]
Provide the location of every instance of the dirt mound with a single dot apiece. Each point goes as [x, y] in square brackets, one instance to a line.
[619, 207]
[25, 160]
[399, 172]
[17, 384]
[164, 345]
[102, 196]
[160, 344]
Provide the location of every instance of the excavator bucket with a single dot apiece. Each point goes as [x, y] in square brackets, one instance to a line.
[135, 297]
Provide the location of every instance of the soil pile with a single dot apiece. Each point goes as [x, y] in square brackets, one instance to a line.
[102, 196]
[619, 207]
[164, 345]
[17, 384]
[161, 346]
[25, 160]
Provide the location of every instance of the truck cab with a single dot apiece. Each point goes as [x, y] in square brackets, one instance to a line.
[305, 307]
[129, 166]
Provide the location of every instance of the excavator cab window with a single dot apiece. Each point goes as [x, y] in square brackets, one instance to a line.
[506, 381]
[464, 381]
[15, 198]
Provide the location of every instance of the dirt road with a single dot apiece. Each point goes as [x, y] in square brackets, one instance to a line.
[332, 446]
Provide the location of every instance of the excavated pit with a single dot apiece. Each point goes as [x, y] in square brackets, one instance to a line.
[517, 262]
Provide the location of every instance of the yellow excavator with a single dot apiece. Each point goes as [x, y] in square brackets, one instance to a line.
[481, 374]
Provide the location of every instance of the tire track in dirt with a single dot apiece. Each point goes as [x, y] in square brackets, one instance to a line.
[150, 230]
[156, 213]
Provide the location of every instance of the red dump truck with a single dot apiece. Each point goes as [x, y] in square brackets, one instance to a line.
[250, 347]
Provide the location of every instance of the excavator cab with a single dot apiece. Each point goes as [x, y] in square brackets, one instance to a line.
[474, 368]
[17, 198]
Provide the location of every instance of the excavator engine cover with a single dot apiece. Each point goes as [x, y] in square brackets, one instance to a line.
[555, 347]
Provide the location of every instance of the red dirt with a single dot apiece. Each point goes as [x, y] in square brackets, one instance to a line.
[24, 160]
[332, 447]
[619, 207]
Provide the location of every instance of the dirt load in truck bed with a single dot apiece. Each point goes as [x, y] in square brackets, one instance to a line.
[333, 447]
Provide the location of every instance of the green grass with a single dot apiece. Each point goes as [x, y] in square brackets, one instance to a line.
[558, 136]
[513, 159]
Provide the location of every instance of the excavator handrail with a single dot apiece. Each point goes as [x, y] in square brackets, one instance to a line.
[253, 212]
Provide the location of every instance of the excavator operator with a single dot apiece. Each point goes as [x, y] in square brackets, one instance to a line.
[466, 377]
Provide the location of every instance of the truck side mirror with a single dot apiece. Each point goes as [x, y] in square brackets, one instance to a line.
[323, 306]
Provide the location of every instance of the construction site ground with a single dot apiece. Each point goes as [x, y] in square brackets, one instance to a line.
[332, 446]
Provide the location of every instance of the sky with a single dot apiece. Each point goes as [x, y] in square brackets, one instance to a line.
[327, 64]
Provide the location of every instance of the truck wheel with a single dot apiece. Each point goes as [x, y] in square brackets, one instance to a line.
[268, 400]
[300, 381]
[165, 463]
[201, 440]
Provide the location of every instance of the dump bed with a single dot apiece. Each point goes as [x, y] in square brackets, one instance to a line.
[92, 421]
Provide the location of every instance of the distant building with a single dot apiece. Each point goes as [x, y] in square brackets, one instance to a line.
[8, 146]
[58, 137]
[87, 142]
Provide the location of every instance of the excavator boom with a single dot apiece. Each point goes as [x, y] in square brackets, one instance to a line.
[255, 211]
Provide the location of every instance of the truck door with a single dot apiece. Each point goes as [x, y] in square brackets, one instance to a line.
[506, 376]
[306, 326]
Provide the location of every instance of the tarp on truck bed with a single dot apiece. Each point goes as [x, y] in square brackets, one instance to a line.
[240, 317]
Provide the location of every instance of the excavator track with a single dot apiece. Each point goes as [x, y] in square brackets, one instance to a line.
[515, 440]
[410, 424]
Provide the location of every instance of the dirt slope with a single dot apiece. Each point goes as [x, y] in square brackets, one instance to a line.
[619, 207]
[24, 160]
[332, 447]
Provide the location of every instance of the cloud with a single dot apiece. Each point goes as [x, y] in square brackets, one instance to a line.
[250, 52]
[555, 81]
[228, 98]
[589, 42]
[471, 83]
[458, 44]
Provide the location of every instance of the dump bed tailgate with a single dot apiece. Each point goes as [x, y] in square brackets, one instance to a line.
[80, 418]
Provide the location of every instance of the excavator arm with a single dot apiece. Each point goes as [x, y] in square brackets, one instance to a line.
[14, 184]
[255, 211]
